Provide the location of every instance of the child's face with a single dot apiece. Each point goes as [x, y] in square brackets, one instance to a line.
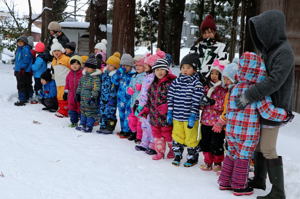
[68, 51]
[110, 67]
[139, 69]
[75, 66]
[187, 69]
[57, 53]
[227, 81]
[160, 73]
[128, 68]
[89, 70]
[209, 34]
[96, 51]
[214, 76]
[147, 68]
[43, 81]
[20, 43]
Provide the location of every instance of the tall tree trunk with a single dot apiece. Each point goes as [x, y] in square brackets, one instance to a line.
[234, 29]
[174, 39]
[242, 31]
[46, 19]
[98, 22]
[161, 26]
[212, 8]
[123, 26]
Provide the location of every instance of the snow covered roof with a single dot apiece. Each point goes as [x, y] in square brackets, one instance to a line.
[83, 25]
[35, 29]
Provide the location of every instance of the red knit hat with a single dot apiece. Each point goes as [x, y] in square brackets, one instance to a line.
[207, 23]
[40, 47]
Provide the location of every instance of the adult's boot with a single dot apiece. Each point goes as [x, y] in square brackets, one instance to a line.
[260, 172]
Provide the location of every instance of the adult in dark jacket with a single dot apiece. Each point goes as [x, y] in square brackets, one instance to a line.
[268, 34]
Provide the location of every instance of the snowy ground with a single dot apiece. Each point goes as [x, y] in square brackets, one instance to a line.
[47, 160]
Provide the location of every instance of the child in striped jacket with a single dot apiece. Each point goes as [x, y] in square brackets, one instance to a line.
[184, 99]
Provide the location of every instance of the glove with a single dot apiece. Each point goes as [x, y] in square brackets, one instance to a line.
[191, 120]
[65, 96]
[138, 110]
[92, 101]
[217, 128]
[241, 102]
[130, 91]
[170, 117]
[211, 101]
[138, 87]
[77, 97]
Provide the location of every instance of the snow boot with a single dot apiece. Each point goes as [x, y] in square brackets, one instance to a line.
[160, 148]
[132, 136]
[170, 154]
[260, 172]
[226, 173]
[239, 179]
[88, 129]
[124, 135]
[140, 148]
[20, 103]
[192, 157]
[150, 151]
[275, 173]
[177, 160]
[178, 150]
[107, 132]
[81, 127]
[73, 125]
[243, 192]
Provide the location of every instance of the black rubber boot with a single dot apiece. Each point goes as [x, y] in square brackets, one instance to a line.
[275, 172]
[260, 172]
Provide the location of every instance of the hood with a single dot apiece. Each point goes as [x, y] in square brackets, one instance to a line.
[267, 30]
[187, 78]
[252, 68]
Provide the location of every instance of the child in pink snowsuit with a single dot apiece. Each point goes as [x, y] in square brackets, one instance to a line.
[157, 109]
[147, 138]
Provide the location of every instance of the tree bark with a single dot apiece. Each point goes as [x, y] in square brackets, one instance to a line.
[123, 26]
[234, 29]
[242, 31]
[212, 8]
[47, 17]
[161, 26]
[98, 22]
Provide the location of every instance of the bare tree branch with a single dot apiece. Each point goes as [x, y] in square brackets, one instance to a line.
[11, 12]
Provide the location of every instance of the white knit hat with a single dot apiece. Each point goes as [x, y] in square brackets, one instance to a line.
[56, 46]
[101, 46]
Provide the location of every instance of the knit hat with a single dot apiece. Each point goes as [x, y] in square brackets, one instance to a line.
[23, 38]
[30, 41]
[39, 47]
[231, 69]
[151, 59]
[77, 58]
[56, 46]
[217, 65]
[161, 63]
[101, 46]
[207, 23]
[91, 63]
[126, 60]
[191, 59]
[114, 60]
[71, 45]
[47, 76]
[139, 60]
[54, 26]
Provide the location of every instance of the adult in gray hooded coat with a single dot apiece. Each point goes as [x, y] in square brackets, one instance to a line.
[268, 34]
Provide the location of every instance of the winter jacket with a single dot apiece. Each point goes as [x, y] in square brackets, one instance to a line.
[23, 59]
[72, 82]
[88, 89]
[48, 90]
[61, 68]
[39, 66]
[185, 96]
[211, 113]
[108, 96]
[135, 87]
[268, 33]
[143, 95]
[157, 103]
[63, 39]
[209, 50]
[243, 126]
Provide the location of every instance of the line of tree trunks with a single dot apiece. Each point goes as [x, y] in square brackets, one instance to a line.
[161, 26]
[123, 26]
[234, 29]
[98, 22]
[46, 19]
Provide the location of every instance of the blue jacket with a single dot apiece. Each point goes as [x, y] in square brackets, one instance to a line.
[39, 66]
[23, 58]
[49, 90]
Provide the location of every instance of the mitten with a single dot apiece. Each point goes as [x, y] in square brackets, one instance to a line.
[241, 102]
[191, 120]
[138, 87]
[77, 97]
[170, 117]
[218, 126]
[65, 96]
[138, 110]
[130, 91]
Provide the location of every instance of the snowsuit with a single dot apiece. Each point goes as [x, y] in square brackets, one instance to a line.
[212, 143]
[89, 89]
[72, 82]
[108, 101]
[61, 67]
[134, 89]
[23, 75]
[243, 125]
[48, 95]
[184, 99]
[38, 68]
[122, 80]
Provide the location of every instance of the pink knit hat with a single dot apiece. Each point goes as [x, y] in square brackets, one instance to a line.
[151, 59]
[139, 60]
[217, 65]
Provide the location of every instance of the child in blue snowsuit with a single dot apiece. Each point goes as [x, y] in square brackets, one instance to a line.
[108, 95]
[47, 94]
[23, 71]
[122, 79]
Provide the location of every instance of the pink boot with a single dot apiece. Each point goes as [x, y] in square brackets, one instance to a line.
[171, 152]
[160, 148]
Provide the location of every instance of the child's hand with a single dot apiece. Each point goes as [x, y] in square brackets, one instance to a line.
[170, 117]
[218, 126]
[191, 121]
[130, 91]
[241, 101]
